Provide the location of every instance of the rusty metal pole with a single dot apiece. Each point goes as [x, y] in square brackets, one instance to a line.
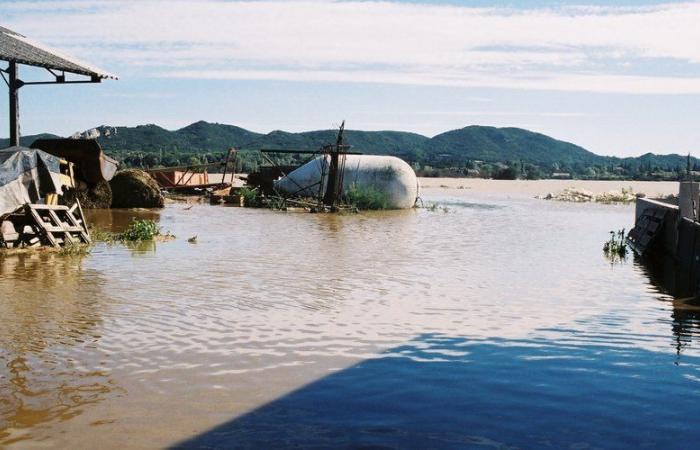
[332, 187]
[15, 84]
[332, 184]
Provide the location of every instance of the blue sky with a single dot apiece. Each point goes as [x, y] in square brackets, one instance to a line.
[617, 77]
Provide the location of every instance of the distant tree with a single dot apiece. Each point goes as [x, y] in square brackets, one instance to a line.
[508, 173]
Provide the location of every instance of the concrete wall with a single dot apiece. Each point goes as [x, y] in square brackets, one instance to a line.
[688, 256]
[680, 243]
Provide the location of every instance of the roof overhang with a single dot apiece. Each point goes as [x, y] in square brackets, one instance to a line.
[17, 48]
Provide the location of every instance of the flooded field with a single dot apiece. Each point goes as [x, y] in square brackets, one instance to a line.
[493, 322]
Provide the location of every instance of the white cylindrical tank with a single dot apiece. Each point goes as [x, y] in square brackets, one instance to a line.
[387, 174]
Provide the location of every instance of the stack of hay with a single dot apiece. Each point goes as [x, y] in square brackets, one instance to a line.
[133, 188]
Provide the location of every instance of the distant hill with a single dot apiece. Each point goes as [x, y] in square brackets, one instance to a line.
[26, 141]
[507, 144]
[457, 149]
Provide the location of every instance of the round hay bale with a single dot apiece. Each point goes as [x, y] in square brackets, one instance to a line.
[98, 196]
[133, 188]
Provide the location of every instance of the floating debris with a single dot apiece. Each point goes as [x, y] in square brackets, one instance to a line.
[577, 195]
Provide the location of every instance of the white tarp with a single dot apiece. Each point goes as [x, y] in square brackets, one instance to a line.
[388, 174]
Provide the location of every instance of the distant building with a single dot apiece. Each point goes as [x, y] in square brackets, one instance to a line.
[561, 176]
[473, 173]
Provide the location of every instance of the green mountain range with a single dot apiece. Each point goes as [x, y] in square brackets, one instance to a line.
[474, 148]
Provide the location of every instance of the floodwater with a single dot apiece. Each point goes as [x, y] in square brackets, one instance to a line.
[494, 322]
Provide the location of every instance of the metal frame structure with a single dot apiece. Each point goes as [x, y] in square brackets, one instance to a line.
[336, 169]
[188, 172]
[16, 49]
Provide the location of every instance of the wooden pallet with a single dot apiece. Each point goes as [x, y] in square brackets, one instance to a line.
[647, 228]
[59, 225]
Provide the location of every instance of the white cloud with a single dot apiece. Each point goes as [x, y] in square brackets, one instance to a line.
[379, 42]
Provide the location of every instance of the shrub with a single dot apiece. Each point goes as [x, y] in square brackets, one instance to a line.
[250, 196]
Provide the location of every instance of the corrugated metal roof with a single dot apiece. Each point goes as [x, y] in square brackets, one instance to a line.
[19, 48]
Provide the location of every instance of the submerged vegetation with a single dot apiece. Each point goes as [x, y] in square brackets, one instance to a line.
[436, 207]
[139, 230]
[74, 249]
[615, 249]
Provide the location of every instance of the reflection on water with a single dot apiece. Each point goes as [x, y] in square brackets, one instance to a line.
[490, 325]
[677, 281]
[118, 219]
[51, 311]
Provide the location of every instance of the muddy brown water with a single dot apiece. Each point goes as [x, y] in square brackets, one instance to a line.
[489, 324]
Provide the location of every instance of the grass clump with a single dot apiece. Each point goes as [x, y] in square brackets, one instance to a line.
[74, 249]
[98, 234]
[140, 230]
[366, 198]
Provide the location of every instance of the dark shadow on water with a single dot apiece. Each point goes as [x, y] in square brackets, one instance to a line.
[672, 279]
[442, 392]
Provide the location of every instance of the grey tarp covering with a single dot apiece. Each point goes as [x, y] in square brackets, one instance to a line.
[26, 176]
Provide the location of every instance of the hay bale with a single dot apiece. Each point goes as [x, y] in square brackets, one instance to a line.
[98, 196]
[133, 188]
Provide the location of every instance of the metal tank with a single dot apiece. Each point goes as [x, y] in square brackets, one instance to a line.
[387, 174]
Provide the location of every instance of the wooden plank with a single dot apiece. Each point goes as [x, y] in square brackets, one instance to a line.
[84, 232]
[49, 207]
[42, 226]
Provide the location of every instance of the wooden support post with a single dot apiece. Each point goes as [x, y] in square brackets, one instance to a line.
[15, 84]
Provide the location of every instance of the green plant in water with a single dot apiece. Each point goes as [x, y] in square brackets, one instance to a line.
[140, 230]
[616, 247]
[366, 197]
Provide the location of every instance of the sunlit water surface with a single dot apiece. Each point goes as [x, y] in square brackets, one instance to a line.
[497, 323]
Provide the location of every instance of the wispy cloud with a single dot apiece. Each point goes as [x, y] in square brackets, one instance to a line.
[597, 49]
